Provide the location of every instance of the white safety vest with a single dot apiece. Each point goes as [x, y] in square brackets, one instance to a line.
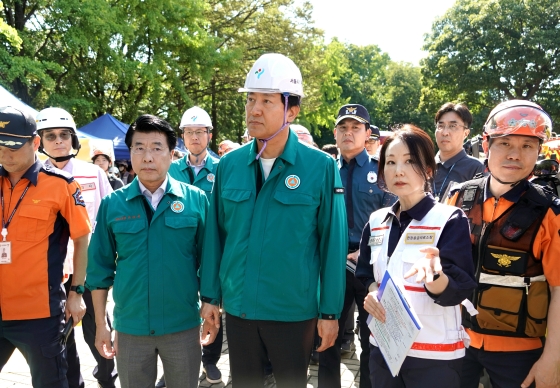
[442, 337]
[94, 186]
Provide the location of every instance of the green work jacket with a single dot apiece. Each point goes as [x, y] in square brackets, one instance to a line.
[181, 171]
[152, 268]
[280, 255]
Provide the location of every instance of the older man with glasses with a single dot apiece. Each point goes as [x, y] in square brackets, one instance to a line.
[453, 164]
[147, 245]
[197, 167]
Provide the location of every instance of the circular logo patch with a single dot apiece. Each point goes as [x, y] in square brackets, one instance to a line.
[292, 182]
[210, 177]
[177, 206]
[371, 177]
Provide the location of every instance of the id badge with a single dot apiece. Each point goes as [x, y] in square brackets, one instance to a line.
[5, 252]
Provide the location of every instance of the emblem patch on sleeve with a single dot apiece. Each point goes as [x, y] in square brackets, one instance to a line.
[78, 199]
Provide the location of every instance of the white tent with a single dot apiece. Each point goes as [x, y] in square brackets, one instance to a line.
[8, 99]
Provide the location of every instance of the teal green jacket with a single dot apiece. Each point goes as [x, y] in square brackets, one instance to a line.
[280, 255]
[152, 269]
[181, 171]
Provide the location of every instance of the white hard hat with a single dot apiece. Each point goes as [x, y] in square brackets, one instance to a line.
[55, 118]
[102, 147]
[274, 73]
[196, 117]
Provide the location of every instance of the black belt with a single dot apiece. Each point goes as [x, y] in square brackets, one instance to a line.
[353, 248]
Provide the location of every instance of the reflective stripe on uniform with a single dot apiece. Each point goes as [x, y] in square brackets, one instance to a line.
[509, 281]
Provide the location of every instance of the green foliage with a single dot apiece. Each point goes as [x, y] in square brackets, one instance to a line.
[390, 91]
[486, 51]
[163, 56]
[9, 34]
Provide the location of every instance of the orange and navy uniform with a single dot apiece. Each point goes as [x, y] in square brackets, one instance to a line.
[51, 211]
[546, 247]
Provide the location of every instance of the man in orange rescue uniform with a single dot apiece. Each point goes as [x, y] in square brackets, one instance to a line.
[516, 247]
[41, 208]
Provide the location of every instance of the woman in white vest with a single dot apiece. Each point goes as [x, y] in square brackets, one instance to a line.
[426, 247]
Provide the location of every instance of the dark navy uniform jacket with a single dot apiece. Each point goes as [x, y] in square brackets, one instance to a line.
[367, 197]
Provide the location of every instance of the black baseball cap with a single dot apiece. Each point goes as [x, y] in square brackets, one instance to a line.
[375, 134]
[353, 111]
[16, 127]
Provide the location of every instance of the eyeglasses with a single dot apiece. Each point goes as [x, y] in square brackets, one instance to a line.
[141, 150]
[452, 127]
[64, 135]
[191, 133]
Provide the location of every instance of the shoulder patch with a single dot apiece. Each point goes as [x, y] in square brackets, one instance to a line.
[454, 189]
[78, 199]
[53, 171]
[339, 190]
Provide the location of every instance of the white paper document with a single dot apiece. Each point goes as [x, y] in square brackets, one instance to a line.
[396, 336]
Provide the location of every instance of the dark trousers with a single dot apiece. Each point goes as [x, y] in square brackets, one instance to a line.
[505, 369]
[39, 340]
[425, 373]
[211, 353]
[329, 360]
[252, 343]
[105, 372]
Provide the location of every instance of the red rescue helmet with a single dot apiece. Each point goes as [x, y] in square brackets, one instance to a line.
[517, 117]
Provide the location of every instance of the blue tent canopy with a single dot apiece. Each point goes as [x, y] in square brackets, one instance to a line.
[108, 127]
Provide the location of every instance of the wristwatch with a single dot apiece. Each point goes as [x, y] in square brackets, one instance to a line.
[78, 289]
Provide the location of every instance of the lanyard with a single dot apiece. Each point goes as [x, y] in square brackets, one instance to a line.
[6, 224]
[438, 193]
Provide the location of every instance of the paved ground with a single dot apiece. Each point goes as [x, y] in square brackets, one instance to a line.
[16, 372]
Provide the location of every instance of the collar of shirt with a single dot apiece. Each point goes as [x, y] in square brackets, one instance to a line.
[31, 174]
[288, 155]
[173, 188]
[209, 161]
[155, 197]
[451, 161]
[512, 195]
[416, 212]
[202, 164]
[68, 167]
[361, 159]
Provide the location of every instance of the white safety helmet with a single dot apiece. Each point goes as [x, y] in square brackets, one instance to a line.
[102, 147]
[274, 73]
[196, 117]
[55, 118]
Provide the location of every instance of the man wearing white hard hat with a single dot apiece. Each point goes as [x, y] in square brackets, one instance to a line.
[276, 237]
[57, 131]
[197, 168]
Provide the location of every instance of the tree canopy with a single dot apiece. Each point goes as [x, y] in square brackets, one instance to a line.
[487, 51]
[130, 57]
